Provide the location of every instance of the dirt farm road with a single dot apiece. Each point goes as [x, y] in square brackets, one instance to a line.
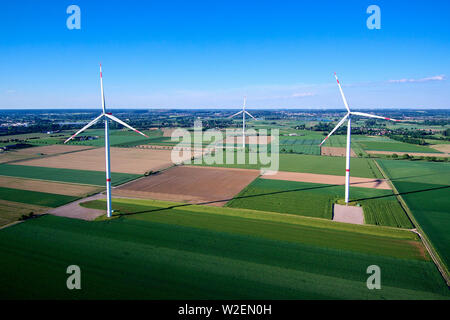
[75, 211]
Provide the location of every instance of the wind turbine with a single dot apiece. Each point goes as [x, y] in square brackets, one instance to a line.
[107, 116]
[349, 117]
[243, 111]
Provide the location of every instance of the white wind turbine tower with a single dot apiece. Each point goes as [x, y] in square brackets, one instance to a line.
[243, 111]
[349, 116]
[107, 116]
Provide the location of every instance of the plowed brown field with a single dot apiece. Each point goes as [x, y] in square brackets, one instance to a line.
[14, 156]
[190, 184]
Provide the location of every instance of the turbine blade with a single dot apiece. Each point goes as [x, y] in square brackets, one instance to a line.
[101, 88]
[342, 93]
[85, 127]
[250, 115]
[335, 128]
[362, 114]
[125, 124]
[235, 114]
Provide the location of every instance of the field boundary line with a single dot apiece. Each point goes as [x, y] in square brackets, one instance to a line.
[302, 220]
[61, 182]
[242, 191]
[418, 230]
[46, 155]
[11, 224]
[81, 184]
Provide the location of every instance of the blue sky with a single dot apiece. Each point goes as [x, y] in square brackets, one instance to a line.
[209, 54]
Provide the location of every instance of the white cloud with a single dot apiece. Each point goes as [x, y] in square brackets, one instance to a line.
[426, 79]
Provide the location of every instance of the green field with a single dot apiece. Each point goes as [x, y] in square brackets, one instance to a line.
[306, 199]
[118, 138]
[316, 200]
[298, 145]
[387, 212]
[25, 136]
[190, 252]
[36, 198]
[46, 141]
[360, 167]
[64, 175]
[362, 143]
[340, 141]
[127, 138]
[425, 186]
[396, 146]
[37, 138]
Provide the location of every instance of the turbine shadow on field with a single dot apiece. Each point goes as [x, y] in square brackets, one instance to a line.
[401, 193]
[226, 200]
[244, 197]
[416, 176]
[377, 181]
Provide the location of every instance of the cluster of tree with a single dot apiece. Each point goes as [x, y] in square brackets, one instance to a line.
[426, 158]
[35, 128]
[45, 126]
[17, 146]
[11, 140]
[24, 217]
[217, 123]
[324, 126]
[446, 132]
[370, 123]
[284, 150]
[413, 133]
[436, 122]
[408, 139]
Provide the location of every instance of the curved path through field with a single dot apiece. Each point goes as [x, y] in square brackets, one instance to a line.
[75, 211]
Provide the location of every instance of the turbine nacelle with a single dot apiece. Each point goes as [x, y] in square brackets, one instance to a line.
[242, 111]
[349, 113]
[106, 115]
